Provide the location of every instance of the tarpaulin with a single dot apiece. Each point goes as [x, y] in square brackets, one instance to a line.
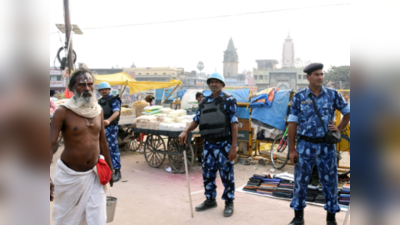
[180, 93]
[240, 96]
[264, 98]
[114, 79]
[275, 115]
[134, 86]
[138, 86]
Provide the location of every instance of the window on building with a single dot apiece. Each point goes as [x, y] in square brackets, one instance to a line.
[140, 73]
[299, 77]
[53, 78]
[304, 76]
[164, 74]
[266, 78]
[147, 73]
[255, 77]
[261, 77]
[155, 73]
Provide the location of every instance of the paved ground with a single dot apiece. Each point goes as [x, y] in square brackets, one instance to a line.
[152, 196]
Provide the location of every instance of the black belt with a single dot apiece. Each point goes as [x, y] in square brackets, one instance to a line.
[215, 140]
[313, 140]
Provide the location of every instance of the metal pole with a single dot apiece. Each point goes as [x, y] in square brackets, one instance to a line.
[68, 29]
[188, 184]
[347, 216]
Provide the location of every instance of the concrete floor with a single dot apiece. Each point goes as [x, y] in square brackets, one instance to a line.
[153, 196]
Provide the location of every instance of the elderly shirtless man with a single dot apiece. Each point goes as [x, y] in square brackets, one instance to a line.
[84, 169]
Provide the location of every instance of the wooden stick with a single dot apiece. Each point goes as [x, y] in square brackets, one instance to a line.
[122, 91]
[188, 183]
[169, 94]
[347, 216]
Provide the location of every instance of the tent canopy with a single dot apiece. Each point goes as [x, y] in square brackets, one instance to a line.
[134, 86]
[114, 79]
[138, 86]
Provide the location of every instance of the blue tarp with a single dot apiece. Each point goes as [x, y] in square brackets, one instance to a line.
[254, 104]
[241, 95]
[180, 93]
[275, 115]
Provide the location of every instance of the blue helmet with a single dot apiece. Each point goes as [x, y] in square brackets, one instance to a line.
[218, 77]
[104, 85]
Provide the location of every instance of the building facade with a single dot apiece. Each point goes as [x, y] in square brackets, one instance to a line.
[194, 81]
[231, 61]
[288, 53]
[282, 78]
[57, 81]
[155, 74]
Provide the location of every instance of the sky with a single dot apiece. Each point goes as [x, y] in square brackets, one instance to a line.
[320, 31]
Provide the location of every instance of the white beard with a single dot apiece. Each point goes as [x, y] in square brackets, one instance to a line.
[85, 102]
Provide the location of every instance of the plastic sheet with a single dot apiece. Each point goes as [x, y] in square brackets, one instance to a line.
[240, 96]
[275, 115]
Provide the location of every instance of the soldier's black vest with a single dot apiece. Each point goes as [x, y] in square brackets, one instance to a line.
[106, 104]
[214, 121]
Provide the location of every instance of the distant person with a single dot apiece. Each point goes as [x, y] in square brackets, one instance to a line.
[149, 99]
[52, 95]
[111, 108]
[53, 106]
[199, 97]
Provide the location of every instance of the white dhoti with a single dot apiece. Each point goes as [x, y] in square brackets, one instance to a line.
[79, 198]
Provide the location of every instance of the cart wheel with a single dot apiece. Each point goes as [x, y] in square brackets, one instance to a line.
[133, 144]
[153, 144]
[262, 162]
[175, 155]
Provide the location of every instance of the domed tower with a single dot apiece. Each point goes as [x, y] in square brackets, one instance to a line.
[288, 53]
[231, 61]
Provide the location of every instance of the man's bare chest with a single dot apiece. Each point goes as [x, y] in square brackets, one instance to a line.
[77, 125]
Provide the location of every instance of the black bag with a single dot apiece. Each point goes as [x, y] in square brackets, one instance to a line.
[331, 137]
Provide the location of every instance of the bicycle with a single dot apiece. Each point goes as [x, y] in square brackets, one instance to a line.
[280, 155]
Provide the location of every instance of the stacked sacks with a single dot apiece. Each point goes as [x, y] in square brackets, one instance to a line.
[285, 189]
[312, 193]
[344, 195]
[138, 106]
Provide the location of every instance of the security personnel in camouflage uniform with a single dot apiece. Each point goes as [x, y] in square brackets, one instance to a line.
[111, 108]
[311, 146]
[218, 127]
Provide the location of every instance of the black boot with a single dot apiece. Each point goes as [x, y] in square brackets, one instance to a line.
[228, 211]
[207, 204]
[298, 218]
[331, 219]
[117, 175]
